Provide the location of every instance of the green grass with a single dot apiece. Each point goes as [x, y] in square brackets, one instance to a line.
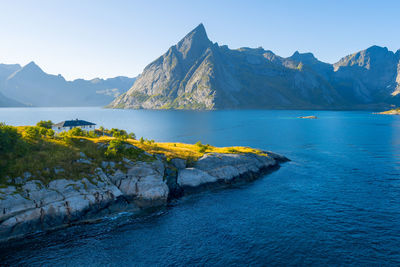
[44, 155]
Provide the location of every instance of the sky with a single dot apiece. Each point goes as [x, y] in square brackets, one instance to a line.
[88, 39]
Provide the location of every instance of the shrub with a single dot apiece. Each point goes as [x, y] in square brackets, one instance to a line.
[115, 148]
[119, 134]
[32, 132]
[50, 133]
[199, 144]
[45, 124]
[202, 148]
[8, 138]
[132, 136]
[76, 132]
[141, 140]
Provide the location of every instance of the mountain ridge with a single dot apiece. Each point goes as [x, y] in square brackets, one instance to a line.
[199, 74]
[31, 86]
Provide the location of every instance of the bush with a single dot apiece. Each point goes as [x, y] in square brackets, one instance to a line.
[50, 133]
[132, 136]
[45, 124]
[8, 138]
[32, 132]
[141, 140]
[115, 148]
[119, 134]
[202, 148]
[11, 146]
[76, 132]
[199, 144]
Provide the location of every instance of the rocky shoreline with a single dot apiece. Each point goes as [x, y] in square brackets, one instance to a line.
[35, 207]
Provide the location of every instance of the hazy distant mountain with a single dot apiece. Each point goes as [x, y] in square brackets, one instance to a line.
[7, 102]
[199, 74]
[31, 86]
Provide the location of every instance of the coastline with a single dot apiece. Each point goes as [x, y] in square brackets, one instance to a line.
[36, 207]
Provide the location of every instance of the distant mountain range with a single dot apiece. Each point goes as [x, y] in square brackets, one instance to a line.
[31, 86]
[199, 74]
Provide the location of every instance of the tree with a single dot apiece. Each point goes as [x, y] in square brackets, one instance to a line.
[76, 132]
[32, 132]
[45, 124]
[8, 138]
[114, 148]
[132, 136]
[119, 134]
[50, 133]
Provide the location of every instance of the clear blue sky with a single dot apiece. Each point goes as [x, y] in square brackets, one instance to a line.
[108, 38]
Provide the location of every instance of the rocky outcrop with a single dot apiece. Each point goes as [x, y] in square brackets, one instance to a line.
[35, 206]
[199, 74]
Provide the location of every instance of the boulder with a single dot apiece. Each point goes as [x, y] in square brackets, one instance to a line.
[191, 177]
[178, 163]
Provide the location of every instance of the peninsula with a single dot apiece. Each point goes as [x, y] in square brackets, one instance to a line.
[395, 111]
[49, 181]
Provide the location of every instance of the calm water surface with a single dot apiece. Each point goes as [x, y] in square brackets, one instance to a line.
[337, 202]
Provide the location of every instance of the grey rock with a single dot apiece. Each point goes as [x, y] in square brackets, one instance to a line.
[178, 163]
[84, 161]
[58, 170]
[143, 182]
[40, 207]
[194, 177]
[19, 180]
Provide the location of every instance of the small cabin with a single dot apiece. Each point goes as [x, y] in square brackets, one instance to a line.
[68, 125]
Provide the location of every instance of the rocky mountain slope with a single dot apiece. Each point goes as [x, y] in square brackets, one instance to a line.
[31, 86]
[199, 74]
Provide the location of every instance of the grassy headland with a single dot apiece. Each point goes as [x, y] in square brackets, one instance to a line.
[36, 152]
[395, 111]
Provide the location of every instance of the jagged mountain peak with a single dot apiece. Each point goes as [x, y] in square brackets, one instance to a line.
[376, 49]
[31, 67]
[304, 57]
[196, 40]
[199, 74]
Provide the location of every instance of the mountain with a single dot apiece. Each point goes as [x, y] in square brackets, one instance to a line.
[199, 74]
[7, 102]
[31, 86]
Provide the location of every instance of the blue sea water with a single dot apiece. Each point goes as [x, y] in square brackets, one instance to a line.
[336, 203]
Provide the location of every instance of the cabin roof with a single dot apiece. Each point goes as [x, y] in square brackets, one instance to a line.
[73, 123]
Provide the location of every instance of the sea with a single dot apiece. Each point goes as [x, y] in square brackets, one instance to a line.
[337, 202]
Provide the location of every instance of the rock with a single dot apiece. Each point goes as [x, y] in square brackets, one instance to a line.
[84, 161]
[178, 163]
[82, 155]
[18, 180]
[106, 164]
[34, 206]
[143, 183]
[161, 157]
[194, 177]
[171, 178]
[27, 175]
[130, 146]
[229, 166]
[58, 170]
[147, 154]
